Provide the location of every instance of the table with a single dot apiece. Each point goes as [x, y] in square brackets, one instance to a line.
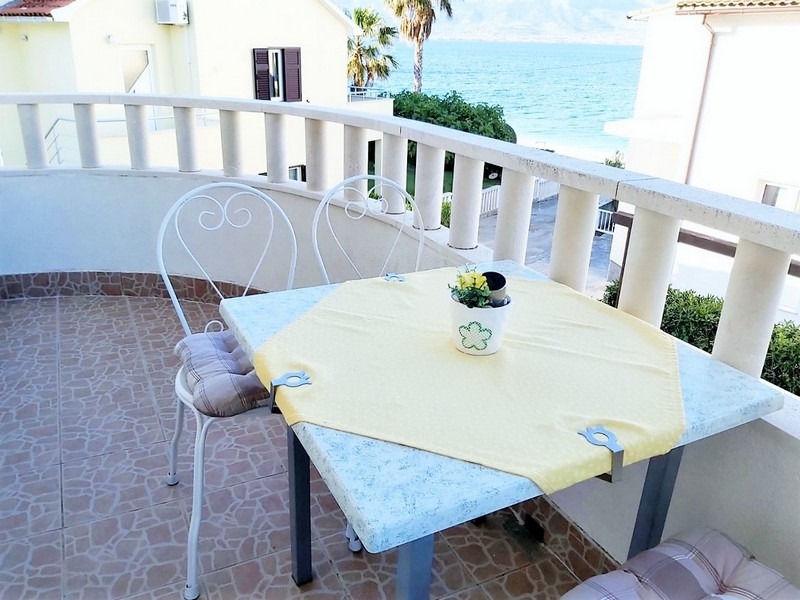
[427, 493]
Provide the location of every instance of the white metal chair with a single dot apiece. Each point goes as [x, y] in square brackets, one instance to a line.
[206, 235]
[354, 201]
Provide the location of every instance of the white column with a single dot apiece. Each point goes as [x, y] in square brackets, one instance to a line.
[571, 252]
[186, 136]
[513, 216]
[648, 266]
[231, 135]
[32, 137]
[751, 301]
[316, 175]
[136, 122]
[428, 183]
[277, 153]
[394, 163]
[465, 210]
[355, 158]
[86, 128]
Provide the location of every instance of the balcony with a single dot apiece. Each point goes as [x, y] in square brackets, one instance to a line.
[88, 367]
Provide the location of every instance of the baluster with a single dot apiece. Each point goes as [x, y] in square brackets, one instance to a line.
[230, 135]
[465, 206]
[277, 153]
[136, 123]
[573, 234]
[32, 137]
[316, 163]
[513, 216]
[648, 265]
[355, 159]
[428, 184]
[86, 128]
[395, 161]
[751, 301]
[186, 136]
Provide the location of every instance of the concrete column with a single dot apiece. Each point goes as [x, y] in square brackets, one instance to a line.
[394, 167]
[231, 135]
[355, 159]
[32, 137]
[86, 128]
[465, 210]
[186, 137]
[136, 122]
[277, 153]
[648, 266]
[571, 252]
[428, 185]
[513, 216]
[316, 174]
[748, 313]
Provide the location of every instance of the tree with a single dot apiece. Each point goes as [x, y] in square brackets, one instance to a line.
[416, 21]
[366, 53]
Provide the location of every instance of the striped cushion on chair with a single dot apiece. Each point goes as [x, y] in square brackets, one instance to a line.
[699, 565]
[219, 376]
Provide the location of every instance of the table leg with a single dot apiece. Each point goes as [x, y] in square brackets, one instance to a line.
[414, 565]
[659, 483]
[299, 509]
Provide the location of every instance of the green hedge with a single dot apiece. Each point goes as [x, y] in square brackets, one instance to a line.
[694, 318]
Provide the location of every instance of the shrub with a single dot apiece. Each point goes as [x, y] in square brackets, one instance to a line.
[618, 160]
[446, 213]
[694, 318]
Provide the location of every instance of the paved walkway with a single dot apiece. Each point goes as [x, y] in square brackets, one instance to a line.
[540, 241]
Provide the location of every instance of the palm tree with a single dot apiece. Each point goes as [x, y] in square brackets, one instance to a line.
[416, 21]
[366, 57]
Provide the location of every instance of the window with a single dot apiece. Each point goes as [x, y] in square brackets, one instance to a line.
[277, 74]
[297, 173]
[781, 196]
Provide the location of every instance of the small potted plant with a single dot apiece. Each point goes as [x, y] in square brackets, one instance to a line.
[479, 310]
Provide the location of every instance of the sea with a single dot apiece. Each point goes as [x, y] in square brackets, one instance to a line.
[556, 96]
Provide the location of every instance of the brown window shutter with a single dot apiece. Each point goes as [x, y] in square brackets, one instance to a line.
[293, 91]
[261, 73]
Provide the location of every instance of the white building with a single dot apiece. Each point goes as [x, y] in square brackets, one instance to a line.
[716, 109]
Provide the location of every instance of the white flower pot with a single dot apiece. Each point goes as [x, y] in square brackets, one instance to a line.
[478, 331]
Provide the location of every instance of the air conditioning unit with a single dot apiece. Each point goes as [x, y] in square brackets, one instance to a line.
[172, 12]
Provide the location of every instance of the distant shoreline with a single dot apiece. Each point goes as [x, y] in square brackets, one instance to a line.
[575, 151]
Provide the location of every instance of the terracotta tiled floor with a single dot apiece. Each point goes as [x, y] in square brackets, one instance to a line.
[87, 409]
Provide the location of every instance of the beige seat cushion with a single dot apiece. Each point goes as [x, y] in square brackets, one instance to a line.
[221, 379]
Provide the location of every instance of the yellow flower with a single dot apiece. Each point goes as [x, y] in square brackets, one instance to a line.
[471, 279]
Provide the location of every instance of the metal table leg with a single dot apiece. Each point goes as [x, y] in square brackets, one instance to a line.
[659, 483]
[299, 509]
[414, 564]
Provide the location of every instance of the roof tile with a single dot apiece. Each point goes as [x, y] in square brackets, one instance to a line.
[711, 5]
[32, 8]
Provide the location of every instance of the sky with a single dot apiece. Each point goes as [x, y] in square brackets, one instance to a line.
[588, 21]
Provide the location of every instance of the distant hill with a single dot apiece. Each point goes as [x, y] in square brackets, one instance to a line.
[589, 21]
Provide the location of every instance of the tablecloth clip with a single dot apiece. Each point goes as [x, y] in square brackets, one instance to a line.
[394, 277]
[291, 379]
[600, 436]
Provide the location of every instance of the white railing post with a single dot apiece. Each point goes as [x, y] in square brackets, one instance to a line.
[648, 266]
[428, 184]
[395, 161]
[751, 301]
[465, 206]
[573, 234]
[355, 157]
[277, 153]
[513, 216]
[86, 129]
[186, 137]
[136, 123]
[316, 163]
[230, 135]
[32, 137]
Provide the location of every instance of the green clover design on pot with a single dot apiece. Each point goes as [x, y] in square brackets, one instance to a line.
[474, 335]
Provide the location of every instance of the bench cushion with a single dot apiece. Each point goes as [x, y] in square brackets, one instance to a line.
[219, 376]
[697, 565]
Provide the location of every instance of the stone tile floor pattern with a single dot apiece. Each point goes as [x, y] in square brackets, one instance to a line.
[87, 410]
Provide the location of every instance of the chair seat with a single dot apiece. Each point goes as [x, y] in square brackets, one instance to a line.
[699, 565]
[220, 378]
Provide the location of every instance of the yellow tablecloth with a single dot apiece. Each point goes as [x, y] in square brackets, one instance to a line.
[382, 364]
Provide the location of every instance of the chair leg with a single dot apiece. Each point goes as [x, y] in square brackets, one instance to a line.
[172, 476]
[353, 543]
[192, 589]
